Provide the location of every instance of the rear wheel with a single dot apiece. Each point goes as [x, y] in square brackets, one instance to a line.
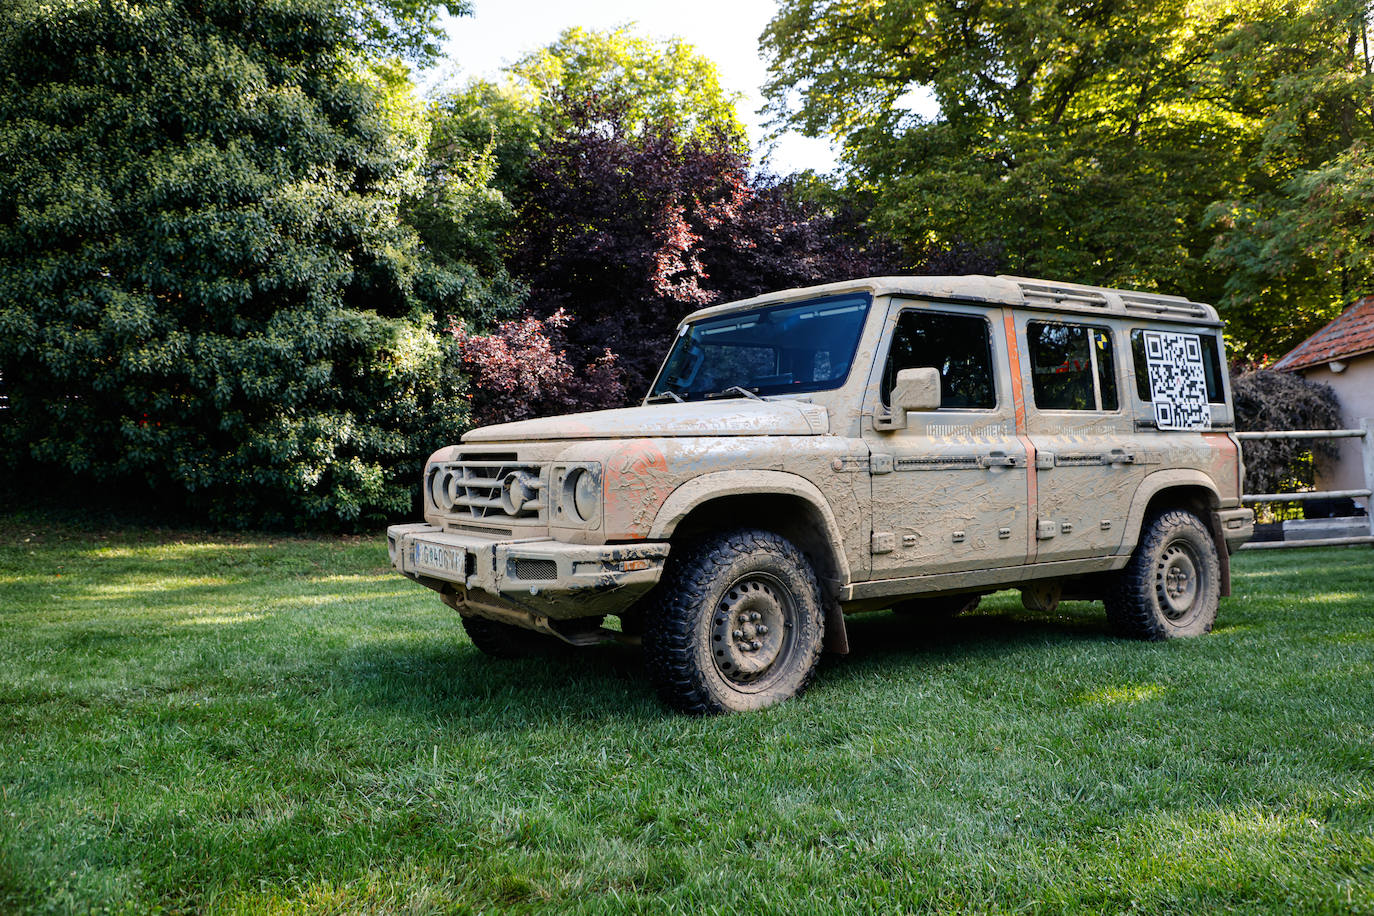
[1172, 585]
[738, 624]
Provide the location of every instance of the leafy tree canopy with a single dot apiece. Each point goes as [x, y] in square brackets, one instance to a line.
[1182, 145]
[485, 137]
[629, 231]
[651, 83]
[205, 288]
[409, 28]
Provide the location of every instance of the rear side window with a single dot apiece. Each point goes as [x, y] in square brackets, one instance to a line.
[1211, 364]
[1073, 366]
[960, 346]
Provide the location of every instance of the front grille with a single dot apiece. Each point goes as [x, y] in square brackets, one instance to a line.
[490, 488]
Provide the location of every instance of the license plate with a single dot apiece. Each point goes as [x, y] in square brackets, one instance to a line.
[438, 558]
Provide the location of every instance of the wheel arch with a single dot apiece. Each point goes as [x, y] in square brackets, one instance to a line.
[1179, 489]
[786, 504]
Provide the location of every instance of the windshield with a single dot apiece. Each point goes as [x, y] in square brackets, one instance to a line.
[779, 349]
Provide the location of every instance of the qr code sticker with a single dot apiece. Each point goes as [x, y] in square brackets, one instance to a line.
[1178, 380]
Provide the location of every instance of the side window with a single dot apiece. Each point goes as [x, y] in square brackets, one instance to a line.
[1211, 364]
[1073, 366]
[960, 346]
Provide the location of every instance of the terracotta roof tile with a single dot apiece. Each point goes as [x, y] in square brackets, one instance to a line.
[1350, 334]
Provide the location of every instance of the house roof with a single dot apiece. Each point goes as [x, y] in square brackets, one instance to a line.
[1349, 335]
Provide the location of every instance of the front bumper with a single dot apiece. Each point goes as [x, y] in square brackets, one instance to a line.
[536, 577]
[1236, 526]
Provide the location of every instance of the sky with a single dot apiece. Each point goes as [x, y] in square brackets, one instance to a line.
[726, 31]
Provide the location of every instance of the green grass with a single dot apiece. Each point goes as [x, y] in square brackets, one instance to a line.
[209, 723]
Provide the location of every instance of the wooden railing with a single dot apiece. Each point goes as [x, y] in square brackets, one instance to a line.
[1350, 530]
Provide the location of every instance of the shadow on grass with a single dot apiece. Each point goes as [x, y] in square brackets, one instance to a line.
[886, 634]
[609, 682]
[455, 682]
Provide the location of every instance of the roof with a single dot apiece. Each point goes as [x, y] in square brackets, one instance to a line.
[1349, 335]
[1018, 291]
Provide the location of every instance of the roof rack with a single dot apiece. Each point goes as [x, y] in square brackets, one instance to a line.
[1041, 293]
[1038, 293]
[1154, 304]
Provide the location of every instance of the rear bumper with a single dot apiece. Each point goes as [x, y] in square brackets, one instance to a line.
[536, 576]
[1236, 526]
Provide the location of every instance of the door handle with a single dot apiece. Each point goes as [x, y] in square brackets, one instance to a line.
[1120, 456]
[997, 460]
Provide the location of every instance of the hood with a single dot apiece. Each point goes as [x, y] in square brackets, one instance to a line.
[732, 417]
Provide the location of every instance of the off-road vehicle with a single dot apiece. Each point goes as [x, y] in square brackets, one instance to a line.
[897, 442]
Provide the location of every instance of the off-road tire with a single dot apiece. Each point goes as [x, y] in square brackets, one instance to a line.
[1172, 584]
[942, 606]
[752, 583]
[504, 640]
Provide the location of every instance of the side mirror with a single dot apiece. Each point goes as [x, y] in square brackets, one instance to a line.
[915, 389]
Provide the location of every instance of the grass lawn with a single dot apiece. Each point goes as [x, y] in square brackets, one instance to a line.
[199, 722]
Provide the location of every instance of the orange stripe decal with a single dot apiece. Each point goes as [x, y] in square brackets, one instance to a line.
[1018, 399]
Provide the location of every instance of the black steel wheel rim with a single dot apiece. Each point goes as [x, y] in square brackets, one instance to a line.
[1179, 580]
[753, 630]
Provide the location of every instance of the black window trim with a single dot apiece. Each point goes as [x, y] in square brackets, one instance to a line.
[1110, 331]
[885, 397]
[869, 302]
[1211, 334]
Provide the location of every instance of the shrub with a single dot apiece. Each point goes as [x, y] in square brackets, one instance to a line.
[1270, 400]
[521, 370]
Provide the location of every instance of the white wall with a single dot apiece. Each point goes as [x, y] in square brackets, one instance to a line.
[1355, 389]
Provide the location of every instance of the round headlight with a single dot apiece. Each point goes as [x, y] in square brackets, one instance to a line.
[516, 492]
[438, 489]
[586, 489]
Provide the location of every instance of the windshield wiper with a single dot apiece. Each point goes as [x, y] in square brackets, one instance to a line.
[734, 391]
[664, 395]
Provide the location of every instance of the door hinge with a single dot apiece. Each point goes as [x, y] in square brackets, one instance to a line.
[884, 542]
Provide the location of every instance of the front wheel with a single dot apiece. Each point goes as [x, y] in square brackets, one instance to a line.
[738, 624]
[1172, 585]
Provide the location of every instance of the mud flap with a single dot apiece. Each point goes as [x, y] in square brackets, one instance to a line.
[1223, 555]
[836, 639]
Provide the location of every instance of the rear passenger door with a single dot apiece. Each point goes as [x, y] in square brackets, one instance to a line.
[1086, 454]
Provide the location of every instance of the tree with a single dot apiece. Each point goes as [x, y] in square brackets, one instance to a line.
[629, 230]
[478, 145]
[1065, 127]
[648, 83]
[485, 136]
[1162, 144]
[205, 289]
[406, 27]
[1294, 237]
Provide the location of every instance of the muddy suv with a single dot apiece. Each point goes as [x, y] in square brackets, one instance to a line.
[900, 442]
